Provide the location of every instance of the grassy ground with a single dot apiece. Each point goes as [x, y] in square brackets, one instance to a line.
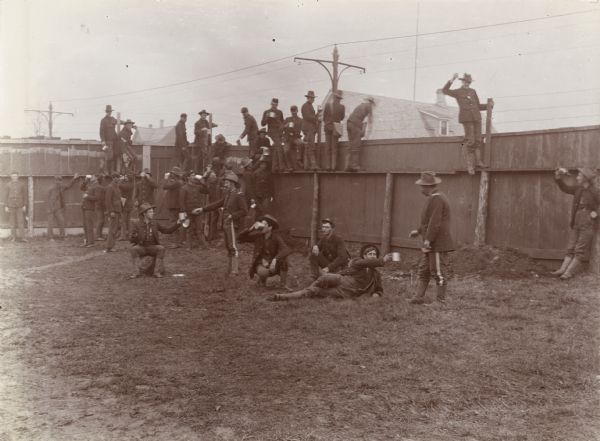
[88, 354]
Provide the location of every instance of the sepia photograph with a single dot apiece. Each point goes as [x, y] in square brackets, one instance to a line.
[300, 220]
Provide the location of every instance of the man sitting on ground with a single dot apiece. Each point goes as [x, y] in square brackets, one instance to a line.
[145, 239]
[329, 255]
[361, 277]
[270, 250]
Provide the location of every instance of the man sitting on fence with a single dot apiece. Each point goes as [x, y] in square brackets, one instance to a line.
[145, 239]
[329, 255]
[360, 278]
[584, 219]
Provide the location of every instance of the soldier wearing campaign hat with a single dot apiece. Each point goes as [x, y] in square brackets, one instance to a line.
[292, 135]
[273, 119]
[310, 120]
[437, 239]
[108, 136]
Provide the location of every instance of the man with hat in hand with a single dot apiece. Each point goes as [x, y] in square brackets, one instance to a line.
[172, 186]
[191, 197]
[145, 240]
[309, 129]
[292, 133]
[333, 114]
[234, 210]
[114, 207]
[144, 189]
[270, 250]
[329, 255]
[469, 115]
[584, 219]
[56, 206]
[437, 240]
[108, 136]
[183, 157]
[356, 131]
[273, 119]
[250, 132]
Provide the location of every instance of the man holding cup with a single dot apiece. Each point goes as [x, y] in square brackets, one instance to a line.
[437, 240]
[273, 119]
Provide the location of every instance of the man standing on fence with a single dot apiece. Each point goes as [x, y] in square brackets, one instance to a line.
[250, 132]
[469, 115]
[437, 240]
[16, 206]
[273, 119]
[356, 131]
[183, 157]
[108, 136]
[126, 158]
[292, 130]
[309, 129]
[584, 219]
[202, 129]
[333, 114]
[56, 206]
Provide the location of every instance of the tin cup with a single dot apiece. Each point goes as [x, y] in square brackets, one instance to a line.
[271, 114]
[395, 256]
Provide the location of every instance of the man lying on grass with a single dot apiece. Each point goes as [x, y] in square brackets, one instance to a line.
[361, 277]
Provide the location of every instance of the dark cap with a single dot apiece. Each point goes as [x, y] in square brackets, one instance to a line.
[244, 110]
[275, 100]
[183, 115]
[203, 112]
[294, 108]
[328, 221]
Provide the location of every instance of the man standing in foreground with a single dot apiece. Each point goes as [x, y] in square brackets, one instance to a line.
[15, 205]
[437, 240]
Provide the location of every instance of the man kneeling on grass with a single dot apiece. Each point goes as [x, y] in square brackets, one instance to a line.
[270, 250]
[361, 277]
[145, 239]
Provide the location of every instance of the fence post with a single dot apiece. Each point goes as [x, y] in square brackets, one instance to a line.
[484, 182]
[386, 224]
[31, 203]
[314, 221]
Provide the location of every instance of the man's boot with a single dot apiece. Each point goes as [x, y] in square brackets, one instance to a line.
[478, 160]
[158, 268]
[419, 297]
[441, 293]
[235, 266]
[572, 269]
[565, 264]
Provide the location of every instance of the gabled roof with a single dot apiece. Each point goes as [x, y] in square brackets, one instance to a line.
[398, 118]
[154, 136]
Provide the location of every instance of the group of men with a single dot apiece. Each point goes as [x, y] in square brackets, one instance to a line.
[118, 155]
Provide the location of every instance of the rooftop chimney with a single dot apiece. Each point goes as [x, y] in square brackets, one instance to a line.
[149, 126]
[440, 98]
[161, 124]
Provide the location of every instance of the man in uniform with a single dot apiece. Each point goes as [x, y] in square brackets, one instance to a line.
[202, 129]
[333, 114]
[262, 187]
[126, 188]
[98, 191]
[191, 197]
[584, 219]
[88, 208]
[16, 206]
[469, 115]
[126, 157]
[114, 208]
[329, 255]
[183, 155]
[356, 131]
[250, 132]
[309, 129]
[263, 146]
[108, 136]
[220, 149]
[437, 240]
[172, 187]
[56, 206]
[145, 239]
[144, 189]
[292, 133]
[235, 210]
[273, 119]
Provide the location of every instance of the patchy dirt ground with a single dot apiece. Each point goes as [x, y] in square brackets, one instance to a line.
[88, 354]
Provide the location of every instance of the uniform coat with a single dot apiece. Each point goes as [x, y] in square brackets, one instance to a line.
[469, 107]
[144, 190]
[435, 223]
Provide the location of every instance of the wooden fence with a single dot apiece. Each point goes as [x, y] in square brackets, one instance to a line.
[525, 209]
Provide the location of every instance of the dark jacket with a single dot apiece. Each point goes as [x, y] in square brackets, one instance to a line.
[334, 112]
[172, 187]
[220, 150]
[146, 234]
[14, 196]
[250, 128]
[469, 108]
[126, 142]
[334, 250]
[360, 113]
[273, 247]
[56, 196]
[274, 125]
[126, 189]
[584, 198]
[108, 129]
[234, 205]
[201, 136]
[435, 223]
[361, 277]
[181, 140]
[262, 184]
[98, 191]
[144, 190]
[90, 195]
[112, 198]
[309, 118]
[292, 127]
[192, 196]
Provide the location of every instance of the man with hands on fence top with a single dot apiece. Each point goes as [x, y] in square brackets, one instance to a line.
[437, 240]
[584, 218]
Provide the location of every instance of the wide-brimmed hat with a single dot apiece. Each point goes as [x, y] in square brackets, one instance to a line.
[368, 247]
[467, 77]
[176, 171]
[428, 178]
[310, 94]
[370, 99]
[108, 108]
[145, 207]
[203, 112]
[128, 122]
[271, 220]
[275, 100]
[231, 176]
[587, 173]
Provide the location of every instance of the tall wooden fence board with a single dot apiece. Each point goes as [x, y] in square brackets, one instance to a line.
[293, 201]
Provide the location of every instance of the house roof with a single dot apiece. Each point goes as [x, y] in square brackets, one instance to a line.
[154, 136]
[400, 118]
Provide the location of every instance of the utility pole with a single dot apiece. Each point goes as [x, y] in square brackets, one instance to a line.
[416, 55]
[335, 74]
[49, 115]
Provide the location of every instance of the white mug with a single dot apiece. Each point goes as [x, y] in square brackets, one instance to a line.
[395, 256]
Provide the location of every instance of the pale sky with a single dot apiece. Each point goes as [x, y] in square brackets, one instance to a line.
[542, 73]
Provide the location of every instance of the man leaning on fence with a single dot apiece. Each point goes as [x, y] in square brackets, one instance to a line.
[16, 206]
[56, 206]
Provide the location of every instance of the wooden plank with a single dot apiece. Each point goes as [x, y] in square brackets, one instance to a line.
[31, 204]
[314, 220]
[482, 209]
[386, 224]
